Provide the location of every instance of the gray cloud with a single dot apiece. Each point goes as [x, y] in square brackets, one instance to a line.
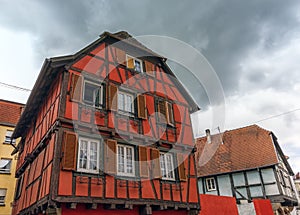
[224, 31]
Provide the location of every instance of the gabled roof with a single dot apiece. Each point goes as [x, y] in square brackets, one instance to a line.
[53, 66]
[10, 112]
[236, 150]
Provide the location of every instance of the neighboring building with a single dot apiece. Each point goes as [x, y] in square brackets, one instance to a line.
[245, 163]
[107, 131]
[297, 185]
[10, 113]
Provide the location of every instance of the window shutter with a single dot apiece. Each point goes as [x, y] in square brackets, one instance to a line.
[130, 63]
[149, 68]
[76, 87]
[162, 110]
[112, 97]
[169, 113]
[70, 151]
[156, 172]
[121, 56]
[141, 102]
[144, 169]
[110, 162]
[181, 167]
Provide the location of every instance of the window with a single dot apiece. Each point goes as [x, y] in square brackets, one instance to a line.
[8, 137]
[134, 63]
[210, 184]
[19, 187]
[2, 196]
[92, 94]
[88, 155]
[165, 111]
[167, 166]
[125, 160]
[125, 102]
[5, 165]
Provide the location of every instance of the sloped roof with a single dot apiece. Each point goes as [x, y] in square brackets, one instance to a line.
[235, 150]
[10, 112]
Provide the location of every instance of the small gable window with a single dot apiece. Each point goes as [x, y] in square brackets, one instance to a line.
[134, 63]
[210, 184]
[8, 137]
[92, 94]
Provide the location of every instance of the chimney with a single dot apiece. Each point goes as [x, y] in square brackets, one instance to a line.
[207, 131]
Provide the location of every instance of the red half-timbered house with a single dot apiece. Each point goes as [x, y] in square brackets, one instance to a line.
[107, 131]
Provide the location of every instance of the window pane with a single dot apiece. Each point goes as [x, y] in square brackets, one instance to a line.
[121, 159]
[89, 92]
[162, 165]
[137, 66]
[97, 96]
[83, 154]
[129, 103]
[129, 161]
[170, 173]
[93, 156]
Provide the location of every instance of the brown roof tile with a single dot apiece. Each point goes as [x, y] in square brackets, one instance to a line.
[244, 148]
[10, 112]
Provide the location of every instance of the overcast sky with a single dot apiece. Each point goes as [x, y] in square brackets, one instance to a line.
[254, 47]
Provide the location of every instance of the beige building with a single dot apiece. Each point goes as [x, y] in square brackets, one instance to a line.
[9, 115]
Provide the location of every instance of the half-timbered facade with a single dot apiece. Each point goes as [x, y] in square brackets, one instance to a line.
[245, 163]
[107, 130]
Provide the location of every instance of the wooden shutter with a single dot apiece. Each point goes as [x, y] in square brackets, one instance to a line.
[144, 169]
[130, 63]
[149, 68]
[162, 110]
[156, 172]
[169, 113]
[121, 56]
[141, 102]
[112, 97]
[76, 87]
[181, 167]
[70, 145]
[110, 162]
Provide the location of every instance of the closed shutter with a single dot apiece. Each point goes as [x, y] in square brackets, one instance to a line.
[149, 68]
[121, 56]
[181, 167]
[76, 87]
[156, 172]
[144, 169]
[112, 97]
[70, 151]
[110, 163]
[142, 111]
[162, 111]
[169, 114]
[130, 63]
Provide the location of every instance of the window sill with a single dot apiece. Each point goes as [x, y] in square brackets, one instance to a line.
[5, 173]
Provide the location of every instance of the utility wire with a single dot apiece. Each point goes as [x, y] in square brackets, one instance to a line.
[14, 87]
[278, 115]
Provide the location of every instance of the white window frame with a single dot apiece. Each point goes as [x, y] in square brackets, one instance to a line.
[97, 86]
[88, 141]
[210, 184]
[134, 63]
[8, 135]
[3, 193]
[125, 104]
[166, 161]
[2, 170]
[125, 171]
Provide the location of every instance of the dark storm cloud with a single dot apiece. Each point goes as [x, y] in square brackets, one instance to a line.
[224, 31]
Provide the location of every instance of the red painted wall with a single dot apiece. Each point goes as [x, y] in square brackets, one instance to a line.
[263, 207]
[219, 205]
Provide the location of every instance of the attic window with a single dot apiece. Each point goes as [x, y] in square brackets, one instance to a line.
[134, 63]
[210, 184]
[92, 94]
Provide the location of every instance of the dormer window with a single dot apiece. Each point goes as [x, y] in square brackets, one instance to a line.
[134, 63]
